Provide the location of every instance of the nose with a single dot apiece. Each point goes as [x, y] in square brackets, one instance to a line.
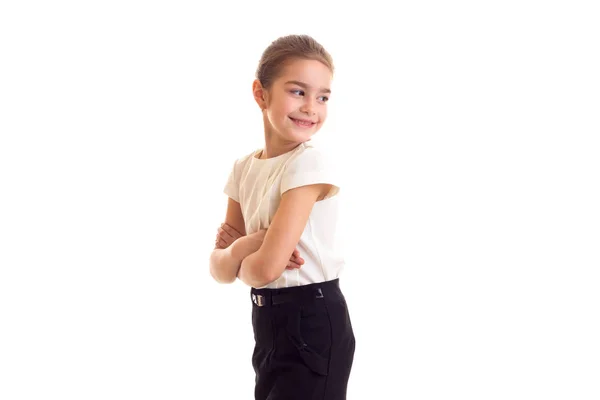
[308, 107]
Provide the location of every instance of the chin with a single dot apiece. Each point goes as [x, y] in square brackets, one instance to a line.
[305, 133]
[302, 136]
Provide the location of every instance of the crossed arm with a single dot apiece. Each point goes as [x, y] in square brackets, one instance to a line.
[261, 257]
[227, 235]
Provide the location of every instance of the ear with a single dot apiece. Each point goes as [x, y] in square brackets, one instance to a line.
[259, 94]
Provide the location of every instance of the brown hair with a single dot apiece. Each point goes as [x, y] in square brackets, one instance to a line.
[285, 48]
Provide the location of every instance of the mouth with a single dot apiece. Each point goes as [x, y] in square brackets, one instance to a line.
[303, 123]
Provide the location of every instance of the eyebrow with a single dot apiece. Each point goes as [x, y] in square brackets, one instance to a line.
[305, 86]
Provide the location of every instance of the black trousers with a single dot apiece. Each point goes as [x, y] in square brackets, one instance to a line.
[304, 342]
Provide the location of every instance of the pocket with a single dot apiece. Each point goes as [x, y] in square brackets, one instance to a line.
[315, 329]
[262, 327]
[310, 332]
[255, 323]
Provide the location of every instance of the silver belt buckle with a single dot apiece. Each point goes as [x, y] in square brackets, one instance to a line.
[258, 299]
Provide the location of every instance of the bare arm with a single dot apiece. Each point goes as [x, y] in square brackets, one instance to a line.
[225, 262]
[224, 265]
[233, 246]
[269, 262]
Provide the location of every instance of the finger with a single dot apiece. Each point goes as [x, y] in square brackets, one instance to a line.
[296, 257]
[225, 243]
[225, 235]
[230, 231]
[222, 243]
[227, 228]
[292, 265]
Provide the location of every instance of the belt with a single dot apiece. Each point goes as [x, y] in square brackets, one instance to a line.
[282, 298]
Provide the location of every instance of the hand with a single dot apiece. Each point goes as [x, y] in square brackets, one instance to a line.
[226, 235]
[295, 261]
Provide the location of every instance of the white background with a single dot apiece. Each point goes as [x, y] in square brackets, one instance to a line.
[467, 133]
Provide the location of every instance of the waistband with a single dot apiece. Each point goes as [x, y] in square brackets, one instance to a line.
[269, 297]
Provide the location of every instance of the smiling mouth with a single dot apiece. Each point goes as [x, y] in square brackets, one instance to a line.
[303, 123]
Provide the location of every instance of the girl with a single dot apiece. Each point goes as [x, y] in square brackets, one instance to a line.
[280, 197]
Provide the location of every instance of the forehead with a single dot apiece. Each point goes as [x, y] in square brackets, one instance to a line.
[312, 72]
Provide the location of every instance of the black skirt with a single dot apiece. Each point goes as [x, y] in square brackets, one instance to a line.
[304, 342]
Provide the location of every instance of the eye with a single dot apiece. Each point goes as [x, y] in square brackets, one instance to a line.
[298, 92]
[324, 99]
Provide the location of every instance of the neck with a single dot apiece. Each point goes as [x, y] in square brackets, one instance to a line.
[274, 145]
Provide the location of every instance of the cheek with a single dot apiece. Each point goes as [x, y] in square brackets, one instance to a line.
[278, 115]
[287, 106]
[284, 109]
[323, 114]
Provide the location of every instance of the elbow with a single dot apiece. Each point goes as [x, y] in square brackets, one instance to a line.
[260, 281]
[268, 273]
[216, 272]
[256, 272]
[269, 276]
[272, 269]
[219, 278]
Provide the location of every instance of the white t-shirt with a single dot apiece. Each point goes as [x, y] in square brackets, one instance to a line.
[258, 184]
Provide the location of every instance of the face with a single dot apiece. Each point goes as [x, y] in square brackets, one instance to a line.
[295, 106]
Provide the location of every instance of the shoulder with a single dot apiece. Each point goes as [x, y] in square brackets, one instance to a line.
[311, 165]
[241, 163]
[309, 157]
[245, 158]
[235, 175]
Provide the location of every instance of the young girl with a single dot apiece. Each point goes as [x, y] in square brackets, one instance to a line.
[280, 197]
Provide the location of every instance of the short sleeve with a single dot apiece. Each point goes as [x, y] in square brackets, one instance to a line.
[308, 168]
[232, 187]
